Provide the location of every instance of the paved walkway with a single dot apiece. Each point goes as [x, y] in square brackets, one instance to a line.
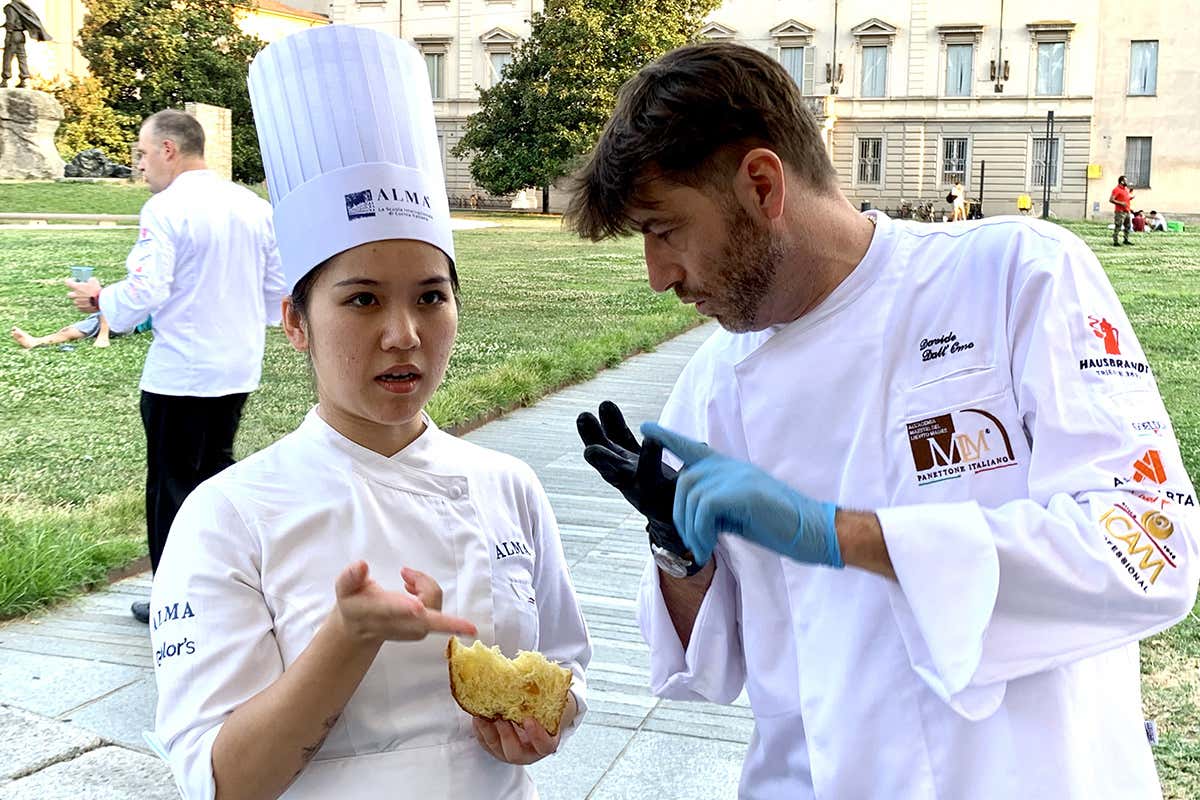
[77, 684]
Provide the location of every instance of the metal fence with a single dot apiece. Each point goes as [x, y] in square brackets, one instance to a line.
[925, 212]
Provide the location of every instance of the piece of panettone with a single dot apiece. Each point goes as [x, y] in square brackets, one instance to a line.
[487, 684]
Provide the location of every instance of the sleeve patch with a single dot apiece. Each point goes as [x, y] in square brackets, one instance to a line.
[1140, 542]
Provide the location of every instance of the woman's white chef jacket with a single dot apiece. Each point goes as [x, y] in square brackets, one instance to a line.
[981, 387]
[206, 267]
[248, 576]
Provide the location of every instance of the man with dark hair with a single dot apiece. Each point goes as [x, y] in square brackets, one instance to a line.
[19, 20]
[206, 266]
[1122, 221]
[937, 506]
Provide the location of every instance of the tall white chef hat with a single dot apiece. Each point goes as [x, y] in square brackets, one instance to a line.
[345, 124]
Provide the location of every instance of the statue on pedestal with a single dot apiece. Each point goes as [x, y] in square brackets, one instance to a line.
[19, 20]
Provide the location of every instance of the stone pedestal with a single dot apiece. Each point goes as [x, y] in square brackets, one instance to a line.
[218, 136]
[28, 121]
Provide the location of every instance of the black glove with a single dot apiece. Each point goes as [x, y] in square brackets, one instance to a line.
[639, 474]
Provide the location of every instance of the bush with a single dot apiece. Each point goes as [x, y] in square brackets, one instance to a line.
[88, 121]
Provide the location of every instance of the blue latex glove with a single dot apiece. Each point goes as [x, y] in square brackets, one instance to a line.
[717, 494]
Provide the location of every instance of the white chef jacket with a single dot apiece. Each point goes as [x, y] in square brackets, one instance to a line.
[248, 575]
[206, 267]
[981, 388]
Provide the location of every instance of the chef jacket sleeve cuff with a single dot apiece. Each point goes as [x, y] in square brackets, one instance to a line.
[579, 692]
[947, 579]
[105, 304]
[709, 668]
[192, 767]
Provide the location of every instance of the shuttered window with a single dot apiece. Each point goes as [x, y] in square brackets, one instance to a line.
[1137, 161]
[870, 161]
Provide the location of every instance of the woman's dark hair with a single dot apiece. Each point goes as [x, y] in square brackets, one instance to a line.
[690, 118]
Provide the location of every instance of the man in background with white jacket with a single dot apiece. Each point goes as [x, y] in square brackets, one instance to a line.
[206, 267]
[940, 500]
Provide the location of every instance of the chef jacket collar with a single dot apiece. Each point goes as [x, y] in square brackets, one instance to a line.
[190, 174]
[421, 453]
[879, 252]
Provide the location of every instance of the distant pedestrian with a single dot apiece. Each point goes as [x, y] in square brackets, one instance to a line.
[1122, 222]
[959, 202]
[206, 266]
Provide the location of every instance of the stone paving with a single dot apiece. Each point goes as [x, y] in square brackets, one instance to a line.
[77, 683]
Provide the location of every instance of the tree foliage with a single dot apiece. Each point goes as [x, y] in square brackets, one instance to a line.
[561, 85]
[88, 120]
[156, 54]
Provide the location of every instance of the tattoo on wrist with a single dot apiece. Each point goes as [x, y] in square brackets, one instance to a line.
[308, 752]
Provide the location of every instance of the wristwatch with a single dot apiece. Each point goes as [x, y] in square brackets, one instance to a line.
[673, 565]
[669, 552]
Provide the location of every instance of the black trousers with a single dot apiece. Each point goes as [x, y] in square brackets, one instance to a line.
[188, 440]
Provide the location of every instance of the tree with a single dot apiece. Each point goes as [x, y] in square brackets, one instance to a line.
[88, 120]
[559, 89]
[156, 54]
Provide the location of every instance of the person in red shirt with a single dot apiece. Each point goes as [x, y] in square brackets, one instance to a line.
[1139, 222]
[1120, 199]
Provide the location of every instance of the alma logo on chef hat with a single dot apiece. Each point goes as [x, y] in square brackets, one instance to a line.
[360, 205]
[392, 202]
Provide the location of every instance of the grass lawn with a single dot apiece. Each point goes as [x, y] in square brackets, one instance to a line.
[78, 198]
[540, 309]
[73, 198]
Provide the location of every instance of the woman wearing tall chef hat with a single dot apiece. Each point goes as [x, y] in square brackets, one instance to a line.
[299, 612]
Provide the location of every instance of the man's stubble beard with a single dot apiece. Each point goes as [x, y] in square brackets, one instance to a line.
[745, 271]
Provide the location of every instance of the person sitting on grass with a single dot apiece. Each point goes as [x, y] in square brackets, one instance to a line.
[1156, 222]
[93, 325]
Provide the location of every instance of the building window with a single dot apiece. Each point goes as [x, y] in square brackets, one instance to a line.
[436, 64]
[870, 161]
[497, 61]
[959, 60]
[798, 61]
[1137, 161]
[1038, 178]
[954, 161]
[874, 76]
[1143, 67]
[1050, 57]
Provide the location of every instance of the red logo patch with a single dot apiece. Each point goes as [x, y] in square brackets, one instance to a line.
[1149, 468]
[1105, 330]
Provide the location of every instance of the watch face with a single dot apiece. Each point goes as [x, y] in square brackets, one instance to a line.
[668, 562]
